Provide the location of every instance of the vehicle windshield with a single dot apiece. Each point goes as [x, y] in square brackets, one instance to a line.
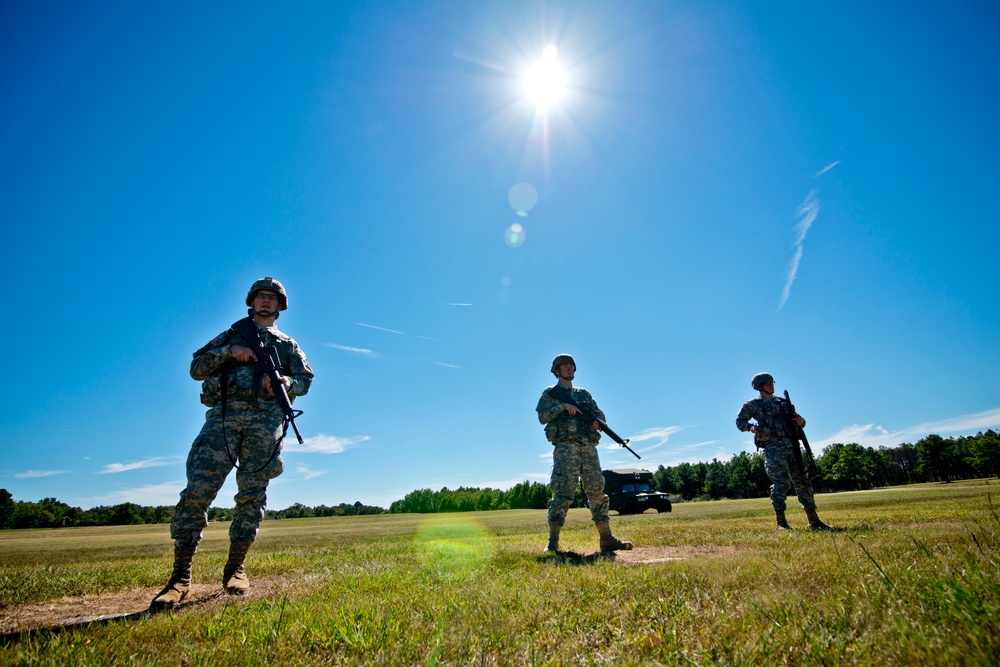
[642, 488]
[628, 488]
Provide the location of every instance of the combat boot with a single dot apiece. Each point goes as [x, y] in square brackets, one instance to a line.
[779, 516]
[608, 541]
[814, 521]
[180, 581]
[234, 579]
[553, 545]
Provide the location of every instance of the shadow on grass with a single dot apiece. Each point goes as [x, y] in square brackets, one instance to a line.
[573, 558]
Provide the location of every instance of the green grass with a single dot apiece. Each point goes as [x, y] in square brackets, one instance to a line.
[915, 579]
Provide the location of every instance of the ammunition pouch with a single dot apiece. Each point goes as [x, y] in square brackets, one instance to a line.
[238, 381]
[566, 428]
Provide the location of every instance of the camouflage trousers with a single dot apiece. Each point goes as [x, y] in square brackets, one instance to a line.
[250, 433]
[784, 472]
[572, 462]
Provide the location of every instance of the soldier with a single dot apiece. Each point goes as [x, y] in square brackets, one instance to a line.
[771, 433]
[575, 456]
[244, 423]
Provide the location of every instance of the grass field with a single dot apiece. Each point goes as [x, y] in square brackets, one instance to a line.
[914, 579]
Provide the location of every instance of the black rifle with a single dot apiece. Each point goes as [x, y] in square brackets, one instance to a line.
[266, 355]
[798, 434]
[559, 392]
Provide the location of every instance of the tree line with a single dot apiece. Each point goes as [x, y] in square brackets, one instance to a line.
[51, 513]
[526, 495]
[300, 511]
[842, 467]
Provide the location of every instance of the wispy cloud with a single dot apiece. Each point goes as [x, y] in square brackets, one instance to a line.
[461, 305]
[793, 270]
[441, 363]
[827, 168]
[872, 435]
[155, 462]
[661, 434]
[150, 494]
[324, 444]
[695, 445]
[39, 473]
[807, 212]
[372, 326]
[363, 351]
[392, 331]
[308, 473]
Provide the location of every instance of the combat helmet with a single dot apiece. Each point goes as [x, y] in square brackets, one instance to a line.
[758, 380]
[562, 359]
[271, 284]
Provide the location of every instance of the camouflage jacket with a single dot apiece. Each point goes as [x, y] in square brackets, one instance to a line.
[215, 360]
[770, 415]
[560, 426]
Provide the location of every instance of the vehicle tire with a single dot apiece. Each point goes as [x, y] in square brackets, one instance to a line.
[632, 507]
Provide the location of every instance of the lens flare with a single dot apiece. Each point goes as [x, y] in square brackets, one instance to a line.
[522, 198]
[514, 235]
[453, 548]
[503, 298]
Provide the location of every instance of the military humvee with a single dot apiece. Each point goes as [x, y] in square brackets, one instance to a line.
[630, 491]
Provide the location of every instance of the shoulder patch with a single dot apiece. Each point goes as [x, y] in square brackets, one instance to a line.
[215, 342]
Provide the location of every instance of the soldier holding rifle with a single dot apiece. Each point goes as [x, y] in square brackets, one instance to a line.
[777, 432]
[575, 456]
[248, 415]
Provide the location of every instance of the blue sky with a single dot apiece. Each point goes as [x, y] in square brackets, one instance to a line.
[722, 188]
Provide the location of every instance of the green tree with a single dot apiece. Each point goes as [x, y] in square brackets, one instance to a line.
[690, 479]
[6, 508]
[664, 481]
[716, 480]
[849, 466]
[898, 464]
[740, 483]
[126, 514]
[933, 458]
[959, 459]
[984, 453]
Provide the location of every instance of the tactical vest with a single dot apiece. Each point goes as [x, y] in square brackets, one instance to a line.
[239, 380]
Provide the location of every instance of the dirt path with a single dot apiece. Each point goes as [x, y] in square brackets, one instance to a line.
[646, 555]
[80, 610]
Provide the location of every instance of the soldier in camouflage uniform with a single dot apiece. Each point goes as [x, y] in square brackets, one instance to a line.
[575, 456]
[243, 428]
[771, 434]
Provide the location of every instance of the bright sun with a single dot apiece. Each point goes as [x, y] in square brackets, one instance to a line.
[545, 82]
